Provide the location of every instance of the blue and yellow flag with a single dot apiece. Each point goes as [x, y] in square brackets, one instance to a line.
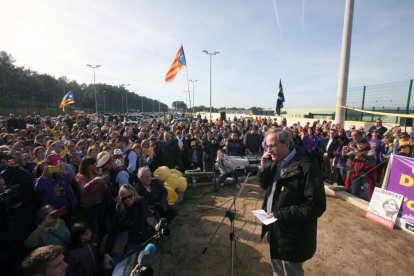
[67, 99]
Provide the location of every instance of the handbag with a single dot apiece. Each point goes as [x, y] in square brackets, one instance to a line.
[120, 246]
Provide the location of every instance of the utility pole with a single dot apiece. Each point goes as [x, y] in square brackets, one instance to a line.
[344, 66]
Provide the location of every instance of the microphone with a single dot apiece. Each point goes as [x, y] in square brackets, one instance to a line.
[165, 232]
[144, 258]
[254, 168]
[151, 248]
[161, 224]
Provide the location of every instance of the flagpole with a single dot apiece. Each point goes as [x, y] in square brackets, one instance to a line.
[188, 83]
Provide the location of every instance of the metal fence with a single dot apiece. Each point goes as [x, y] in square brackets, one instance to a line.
[389, 97]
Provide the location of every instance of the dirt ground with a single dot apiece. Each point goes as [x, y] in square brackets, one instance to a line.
[348, 243]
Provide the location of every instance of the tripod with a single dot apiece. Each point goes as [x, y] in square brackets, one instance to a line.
[231, 215]
[215, 190]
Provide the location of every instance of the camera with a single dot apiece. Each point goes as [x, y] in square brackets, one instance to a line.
[10, 197]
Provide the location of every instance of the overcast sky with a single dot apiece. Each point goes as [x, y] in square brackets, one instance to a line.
[259, 42]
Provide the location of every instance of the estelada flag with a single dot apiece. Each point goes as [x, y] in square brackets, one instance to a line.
[67, 99]
[177, 65]
[280, 98]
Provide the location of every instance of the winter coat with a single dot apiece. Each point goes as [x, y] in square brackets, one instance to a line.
[169, 154]
[299, 200]
[134, 221]
[84, 260]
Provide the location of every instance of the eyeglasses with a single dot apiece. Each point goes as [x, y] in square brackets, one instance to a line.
[374, 131]
[127, 197]
[271, 147]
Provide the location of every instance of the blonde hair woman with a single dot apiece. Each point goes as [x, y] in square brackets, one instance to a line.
[132, 215]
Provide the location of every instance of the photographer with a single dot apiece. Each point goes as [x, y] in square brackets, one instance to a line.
[92, 194]
[49, 231]
[54, 187]
[155, 195]
[132, 215]
[227, 168]
[16, 223]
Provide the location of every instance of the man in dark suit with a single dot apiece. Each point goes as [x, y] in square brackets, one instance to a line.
[329, 145]
[168, 153]
[155, 194]
[378, 125]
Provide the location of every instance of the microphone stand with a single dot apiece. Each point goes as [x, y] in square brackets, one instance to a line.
[215, 190]
[231, 215]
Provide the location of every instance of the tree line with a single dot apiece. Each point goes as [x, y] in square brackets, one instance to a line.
[22, 87]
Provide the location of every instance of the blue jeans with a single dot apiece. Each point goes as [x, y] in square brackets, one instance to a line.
[223, 177]
[209, 166]
[356, 186]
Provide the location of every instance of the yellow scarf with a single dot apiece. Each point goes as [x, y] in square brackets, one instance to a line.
[53, 228]
[145, 151]
[405, 150]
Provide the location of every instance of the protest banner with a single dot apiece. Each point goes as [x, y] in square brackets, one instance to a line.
[384, 206]
[399, 179]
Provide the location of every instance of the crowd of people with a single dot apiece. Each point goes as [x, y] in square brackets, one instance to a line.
[73, 185]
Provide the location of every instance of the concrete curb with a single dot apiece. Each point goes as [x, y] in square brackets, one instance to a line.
[356, 201]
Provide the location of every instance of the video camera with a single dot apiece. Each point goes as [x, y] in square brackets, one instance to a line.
[10, 197]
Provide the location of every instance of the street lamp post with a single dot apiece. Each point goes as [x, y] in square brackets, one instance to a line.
[126, 96]
[142, 101]
[122, 105]
[186, 100]
[104, 99]
[193, 92]
[211, 60]
[94, 85]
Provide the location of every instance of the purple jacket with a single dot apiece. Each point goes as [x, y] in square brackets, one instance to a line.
[339, 162]
[314, 145]
[58, 192]
[376, 145]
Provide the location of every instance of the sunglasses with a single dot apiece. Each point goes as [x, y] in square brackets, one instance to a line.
[127, 197]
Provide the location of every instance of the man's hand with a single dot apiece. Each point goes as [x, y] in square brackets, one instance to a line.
[266, 161]
[270, 216]
[326, 154]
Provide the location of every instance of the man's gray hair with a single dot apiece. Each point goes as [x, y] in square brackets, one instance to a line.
[141, 133]
[283, 136]
[141, 171]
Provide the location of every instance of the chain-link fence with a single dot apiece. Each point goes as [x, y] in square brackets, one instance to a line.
[389, 97]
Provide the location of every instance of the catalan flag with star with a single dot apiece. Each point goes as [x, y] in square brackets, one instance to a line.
[177, 65]
[67, 99]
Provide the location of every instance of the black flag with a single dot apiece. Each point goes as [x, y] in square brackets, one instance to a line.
[280, 98]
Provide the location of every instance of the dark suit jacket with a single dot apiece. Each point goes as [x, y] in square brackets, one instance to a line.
[158, 192]
[332, 147]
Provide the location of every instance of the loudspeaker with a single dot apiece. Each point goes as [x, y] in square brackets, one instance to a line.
[406, 122]
[223, 116]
